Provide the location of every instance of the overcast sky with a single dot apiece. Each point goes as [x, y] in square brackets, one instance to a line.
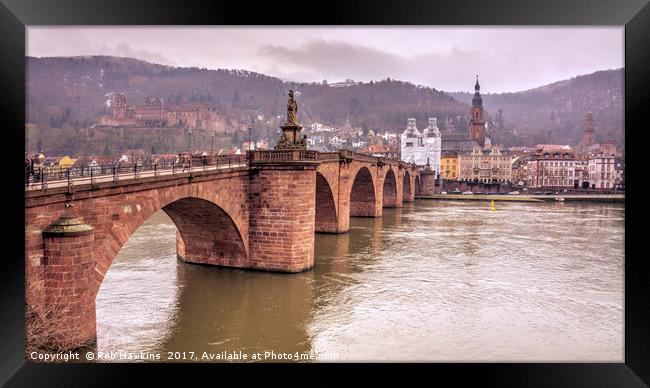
[446, 58]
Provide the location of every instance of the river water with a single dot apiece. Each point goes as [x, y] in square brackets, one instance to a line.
[432, 281]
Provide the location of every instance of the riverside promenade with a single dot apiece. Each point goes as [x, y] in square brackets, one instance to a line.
[591, 198]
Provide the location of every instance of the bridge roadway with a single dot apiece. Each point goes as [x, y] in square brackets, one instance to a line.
[128, 176]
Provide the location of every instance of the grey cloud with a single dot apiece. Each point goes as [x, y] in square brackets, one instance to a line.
[509, 68]
[446, 58]
[334, 59]
[341, 60]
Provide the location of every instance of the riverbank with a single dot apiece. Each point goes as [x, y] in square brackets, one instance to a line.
[590, 198]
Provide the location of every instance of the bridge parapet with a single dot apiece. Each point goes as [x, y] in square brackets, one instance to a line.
[281, 155]
[322, 156]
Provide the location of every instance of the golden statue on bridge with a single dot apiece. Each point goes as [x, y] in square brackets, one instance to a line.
[290, 138]
[292, 110]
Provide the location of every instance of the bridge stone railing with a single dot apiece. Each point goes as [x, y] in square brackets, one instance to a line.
[281, 155]
[329, 155]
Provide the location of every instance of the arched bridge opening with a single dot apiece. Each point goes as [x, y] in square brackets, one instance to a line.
[390, 190]
[326, 215]
[362, 194]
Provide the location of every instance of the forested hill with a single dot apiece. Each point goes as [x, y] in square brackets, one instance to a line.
[72, 92]
[76, 89]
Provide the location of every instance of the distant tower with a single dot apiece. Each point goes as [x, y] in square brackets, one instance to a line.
[119, 106]
[432, 143]
[411, 142]
[477, 123]
[589, 137]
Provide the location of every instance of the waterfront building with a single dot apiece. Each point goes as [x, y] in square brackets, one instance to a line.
[553, 166]
[485, 165]
[520, 168]
[449, 165]
[602, 171]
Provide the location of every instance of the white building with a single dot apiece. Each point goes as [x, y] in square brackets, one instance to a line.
[262, 144]
[602, 171]
[336, 141]
[359, 144]
[419, 147]
[318, 127]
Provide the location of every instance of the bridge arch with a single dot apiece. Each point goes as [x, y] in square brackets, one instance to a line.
[406, 186]
[363, 201]
[326, 212]
[206, 231]
[390, 189]
[418, 188]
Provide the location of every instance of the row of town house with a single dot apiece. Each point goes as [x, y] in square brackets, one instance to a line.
[546, 166]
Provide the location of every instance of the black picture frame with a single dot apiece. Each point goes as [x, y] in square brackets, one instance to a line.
[633, 14]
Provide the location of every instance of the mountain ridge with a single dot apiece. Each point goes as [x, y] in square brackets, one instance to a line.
[72, 92]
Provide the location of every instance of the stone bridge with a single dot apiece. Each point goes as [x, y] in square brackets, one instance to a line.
[259, 215]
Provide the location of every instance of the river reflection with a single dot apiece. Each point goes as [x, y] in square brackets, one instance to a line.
[433, 281]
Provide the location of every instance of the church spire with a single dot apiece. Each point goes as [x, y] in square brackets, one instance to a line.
[477, 123]
[477, 100]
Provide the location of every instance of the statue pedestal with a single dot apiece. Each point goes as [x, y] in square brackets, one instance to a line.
[291, 137]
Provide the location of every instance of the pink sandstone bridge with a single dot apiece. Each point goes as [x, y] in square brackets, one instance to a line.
[258, 214]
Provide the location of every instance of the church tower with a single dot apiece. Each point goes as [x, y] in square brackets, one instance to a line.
[589, 137]
[477, 123]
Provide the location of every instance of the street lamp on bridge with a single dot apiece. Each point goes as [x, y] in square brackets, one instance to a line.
[250, 134]
[189, 140]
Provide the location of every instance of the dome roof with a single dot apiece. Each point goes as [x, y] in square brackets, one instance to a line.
[411, 130]
[432, 130]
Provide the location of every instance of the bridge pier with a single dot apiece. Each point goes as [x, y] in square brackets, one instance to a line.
[427, 182]
[281, 195]
[68, 311]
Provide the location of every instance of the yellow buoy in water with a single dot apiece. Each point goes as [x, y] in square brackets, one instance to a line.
[492, 206]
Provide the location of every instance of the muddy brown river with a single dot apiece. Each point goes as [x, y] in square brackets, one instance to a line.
[432, 281]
